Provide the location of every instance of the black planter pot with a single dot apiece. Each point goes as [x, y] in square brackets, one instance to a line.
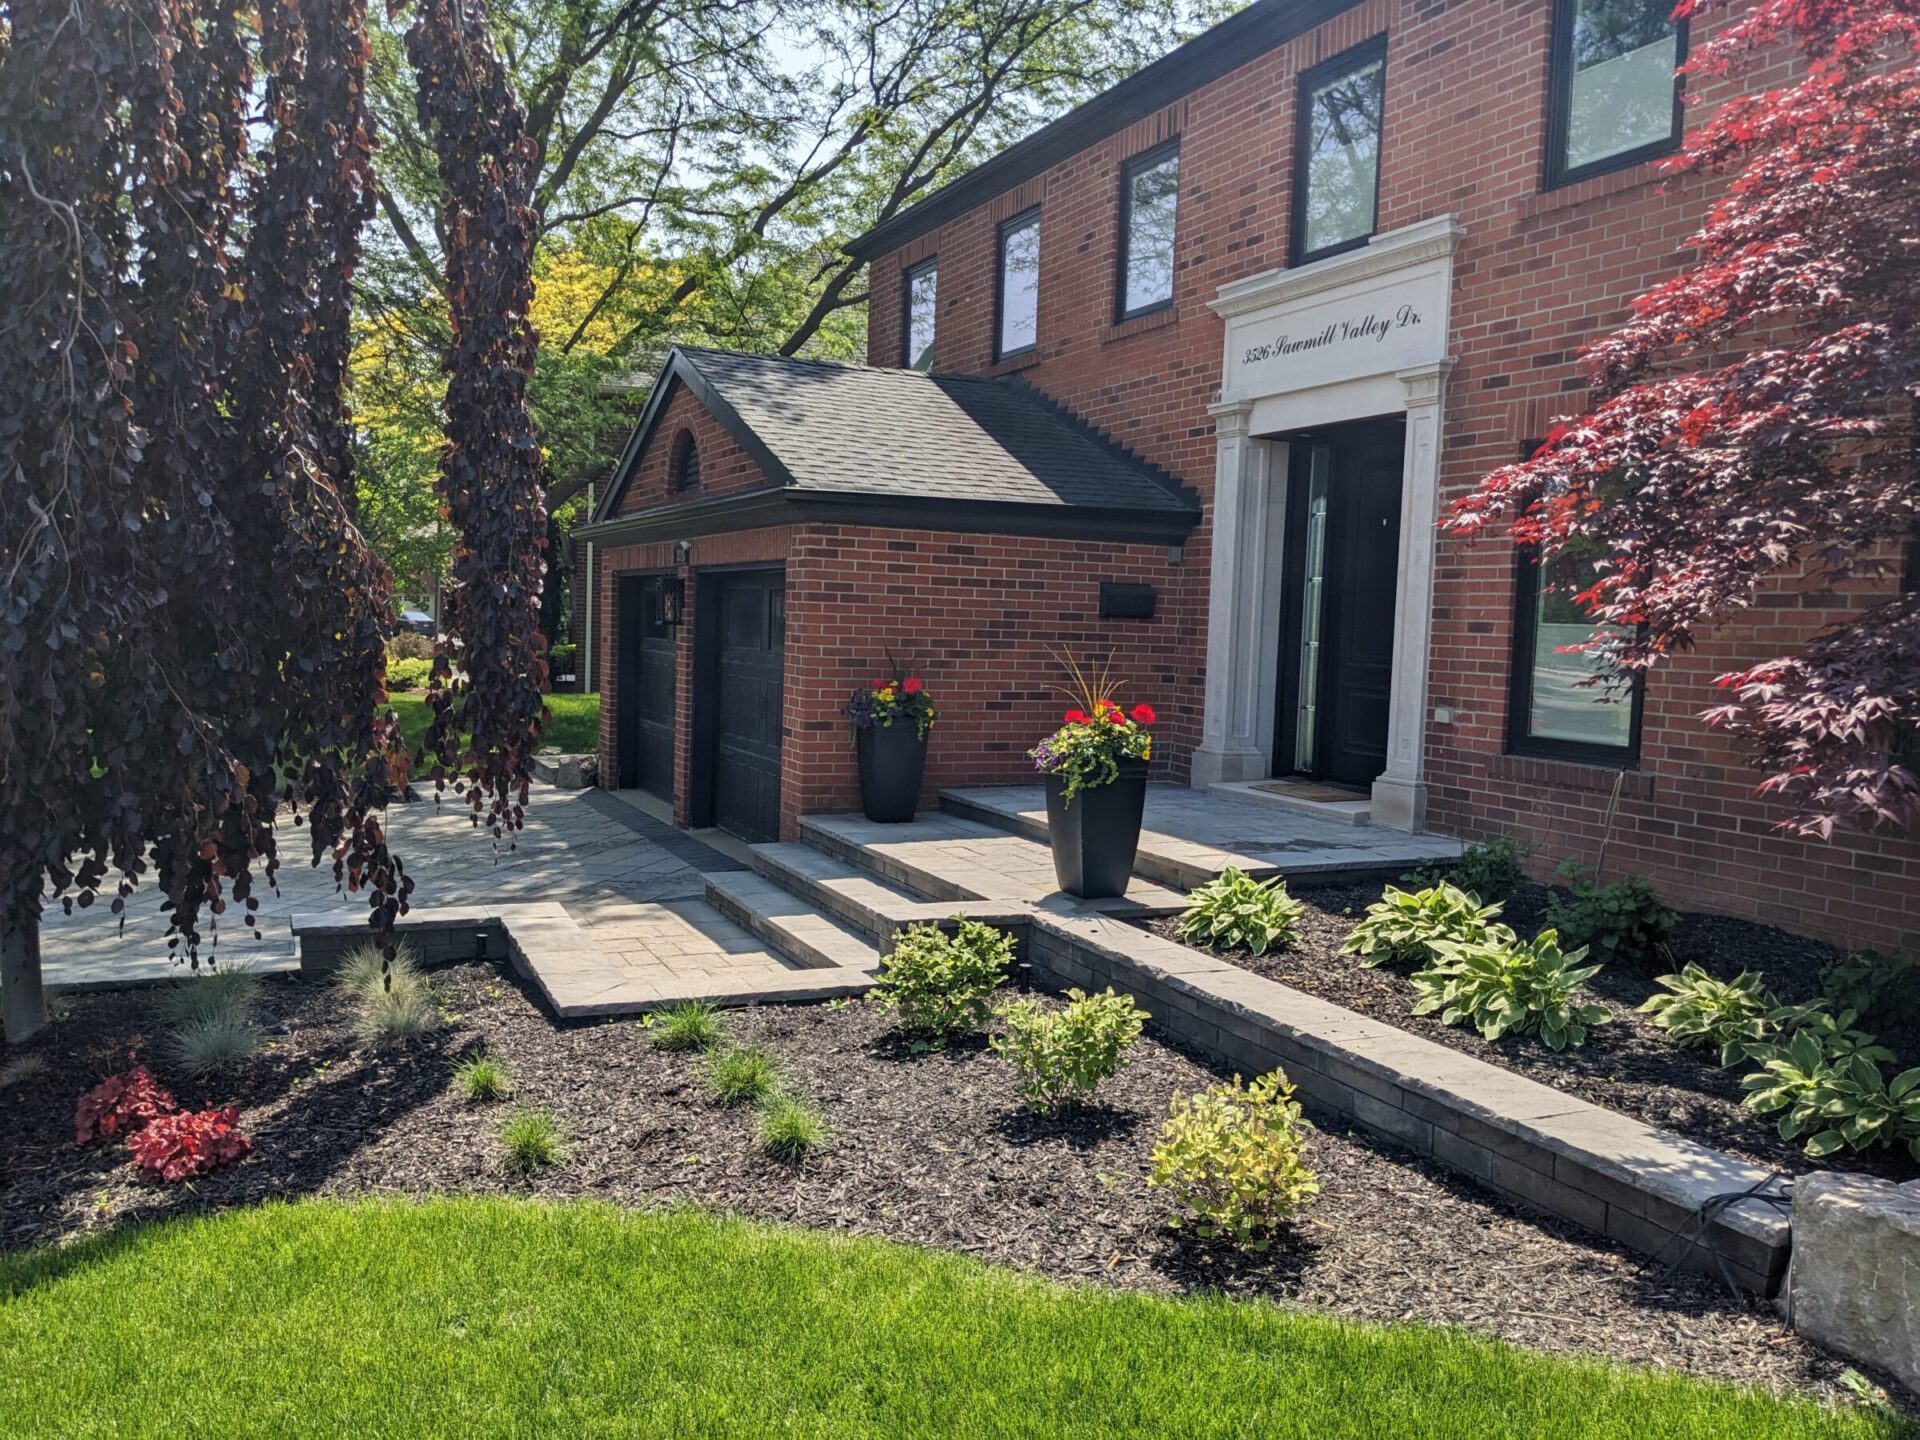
[1094, 838]
[893, 758]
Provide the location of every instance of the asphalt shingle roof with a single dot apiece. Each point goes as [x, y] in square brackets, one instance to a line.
[855, 429]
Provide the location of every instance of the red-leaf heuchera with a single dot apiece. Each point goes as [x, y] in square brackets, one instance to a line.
[120, 1105]
[178, 1147]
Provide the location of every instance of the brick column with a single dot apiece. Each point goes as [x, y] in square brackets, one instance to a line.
[1400, 794]
[1234, 741]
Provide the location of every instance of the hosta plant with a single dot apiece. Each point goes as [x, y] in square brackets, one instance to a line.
[1405, 925]
[1062, 1056]
[1231, 1159]
[942, 984]
[120, 1105]
[1834, 1105]
[1502, 987]
[1233, 911]
[172, 1148]
[1729, 1015]
[1835, 1034]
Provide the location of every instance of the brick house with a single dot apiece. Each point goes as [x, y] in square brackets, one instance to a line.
[1246, 323]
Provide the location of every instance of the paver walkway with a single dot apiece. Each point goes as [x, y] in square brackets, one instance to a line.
[637, 901]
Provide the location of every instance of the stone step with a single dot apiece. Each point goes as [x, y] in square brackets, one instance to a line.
[945, 859]
[854, 897]
[799, 930]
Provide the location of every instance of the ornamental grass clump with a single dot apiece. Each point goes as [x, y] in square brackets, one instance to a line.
[1233, 911]
[228, 990]
[941, 984]
[530, 1141]
[1060, 1057]
[1404, 926]
[741, 1075]
[218, 1040]
[690, 1025]
[1096, 733]
[789, 1128]
[1502, 987]
[1232, 1160]
[481, 1079]
[392, 1003]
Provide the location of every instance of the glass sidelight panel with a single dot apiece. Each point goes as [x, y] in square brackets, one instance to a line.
[1313, 584]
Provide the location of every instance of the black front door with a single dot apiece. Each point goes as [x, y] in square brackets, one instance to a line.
[646, 687]
[750, 614]
[1342, 571]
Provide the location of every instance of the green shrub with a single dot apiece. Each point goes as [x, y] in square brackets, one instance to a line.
[742, 1075]
[227, 990]
[1729, 1015]
[1882, 989]
[531, 1139]
[1835, 1104]
[408, 674]
[1235, 911]
[216, 1040]
[690, 1025]
[1620, 923]
[1404, 926]
[790, 1129]
[482, 1079]
[409, 645]
[561, 657]
[940, 984]
[1231, 1158]
[1491, 871]
[1061, 1056]
[1502, 987]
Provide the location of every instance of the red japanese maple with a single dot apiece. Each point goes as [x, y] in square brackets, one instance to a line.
[1757, 415]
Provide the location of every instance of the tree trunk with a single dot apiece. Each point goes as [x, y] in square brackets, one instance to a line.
[22, 999]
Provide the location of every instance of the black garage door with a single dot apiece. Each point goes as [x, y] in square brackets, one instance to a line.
[646, 687]
[751, 612]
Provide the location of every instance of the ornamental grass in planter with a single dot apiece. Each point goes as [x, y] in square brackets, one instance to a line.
[1095, 770]
[891, 720]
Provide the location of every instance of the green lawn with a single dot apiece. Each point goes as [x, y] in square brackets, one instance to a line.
[497, 1317]
[575, 726]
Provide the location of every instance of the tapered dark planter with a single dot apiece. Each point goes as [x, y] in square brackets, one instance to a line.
[1094, 838]
[893, 758]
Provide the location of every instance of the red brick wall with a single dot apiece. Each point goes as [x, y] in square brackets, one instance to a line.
[1538, 275]
[725, 468]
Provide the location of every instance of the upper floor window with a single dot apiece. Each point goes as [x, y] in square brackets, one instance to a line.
[1149, 195]
[1613, 96]
[1336, 162]
[1554, 710]
[686, 461]
[1017, 324]
[922, 291]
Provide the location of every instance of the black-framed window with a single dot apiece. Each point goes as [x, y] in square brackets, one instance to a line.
[1336, 152]
[1613, 97]
[686, 461]
[1553, 710]
[1149, 200]
[922, 289]
[1016, 322]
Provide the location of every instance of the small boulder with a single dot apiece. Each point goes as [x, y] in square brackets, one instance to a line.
[1854, 1282]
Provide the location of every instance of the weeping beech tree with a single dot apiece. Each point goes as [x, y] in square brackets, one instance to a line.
[1757, 416]
[192, 629]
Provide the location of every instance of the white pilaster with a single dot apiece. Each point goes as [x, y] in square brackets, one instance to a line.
[1232, 746]
[1400, 794]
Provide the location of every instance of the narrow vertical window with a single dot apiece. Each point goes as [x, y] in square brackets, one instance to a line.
[686, 461]
[1149, 196]
[1018, 327]
[1613, 92]
[922, 295]
[1336, 167]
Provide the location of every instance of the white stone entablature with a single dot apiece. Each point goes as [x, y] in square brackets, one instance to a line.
[1353, 337]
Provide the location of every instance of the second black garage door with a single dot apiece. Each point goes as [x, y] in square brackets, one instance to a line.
[750, 611]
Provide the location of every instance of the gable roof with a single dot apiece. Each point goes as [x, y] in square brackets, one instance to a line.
[1242, 37]
[935, 451]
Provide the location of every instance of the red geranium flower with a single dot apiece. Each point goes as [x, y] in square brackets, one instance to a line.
[911, 685]
[1077, 716]
[1143, 715]
[1115, 717]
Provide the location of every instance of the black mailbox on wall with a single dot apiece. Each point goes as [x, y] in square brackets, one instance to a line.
[1126, 602]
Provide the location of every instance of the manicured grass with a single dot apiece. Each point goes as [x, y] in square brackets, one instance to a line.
[493, 1317]
[575, 726]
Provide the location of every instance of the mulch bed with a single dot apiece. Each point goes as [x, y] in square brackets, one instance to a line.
[929, 1148]
[1628, 1065]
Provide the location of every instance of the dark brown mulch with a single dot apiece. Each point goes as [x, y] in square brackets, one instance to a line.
[930, 1148]
[1628, 1064]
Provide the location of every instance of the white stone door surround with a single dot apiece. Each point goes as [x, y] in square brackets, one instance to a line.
[1353, 337]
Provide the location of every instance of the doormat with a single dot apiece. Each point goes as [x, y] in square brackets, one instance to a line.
[1317, 793]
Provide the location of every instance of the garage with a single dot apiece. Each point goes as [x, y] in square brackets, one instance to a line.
[646, 686]
[748, 611]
